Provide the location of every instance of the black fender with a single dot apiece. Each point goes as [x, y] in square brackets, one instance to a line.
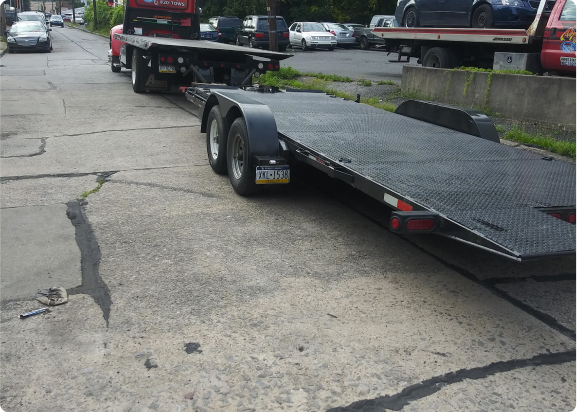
[464, 120]
[260, 123]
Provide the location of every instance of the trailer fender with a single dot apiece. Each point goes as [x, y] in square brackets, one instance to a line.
[461, 119]
[260, 123]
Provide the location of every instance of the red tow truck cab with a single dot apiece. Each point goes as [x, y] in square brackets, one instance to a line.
[558, 52]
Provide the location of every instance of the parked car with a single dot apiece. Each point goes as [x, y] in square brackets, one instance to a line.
[311, 35]
[226, 28]
[47, 16]
[468, 13]
[67, 17]
[353, 26]
[78, 20]
[254, 32]
[364, 35]
[345, 36]
[208, 32]
[56, 20]
[29, 35]
[32, 16]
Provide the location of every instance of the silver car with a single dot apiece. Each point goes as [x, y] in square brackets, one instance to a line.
[345, 36]
[311, 35]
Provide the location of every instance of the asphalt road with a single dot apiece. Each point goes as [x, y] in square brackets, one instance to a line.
[184, 296]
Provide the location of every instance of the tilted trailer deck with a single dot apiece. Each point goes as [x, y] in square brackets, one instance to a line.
[441, 169]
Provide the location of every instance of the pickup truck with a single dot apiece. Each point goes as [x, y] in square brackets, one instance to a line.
[365, 35]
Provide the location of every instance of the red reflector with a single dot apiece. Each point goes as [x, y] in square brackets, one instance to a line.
[285, 34]
[557, 215]
[221, 65]
[276, 67]
[259, 35]
[162, 59]
[420, 224]
[571, 218]
[169, 59]
[238, 66]
[395, 223]
[270, 66]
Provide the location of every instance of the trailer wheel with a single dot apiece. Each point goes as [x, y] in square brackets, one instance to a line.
[483, 17]
[216, 139]
[139, 71]
[241, 170]
[365, 43]
[440, 57]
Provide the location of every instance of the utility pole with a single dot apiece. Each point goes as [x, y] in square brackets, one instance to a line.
[95, 13]
[272, 33]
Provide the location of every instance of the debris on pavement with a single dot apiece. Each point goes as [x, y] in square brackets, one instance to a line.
[34, 312]
[52, 296]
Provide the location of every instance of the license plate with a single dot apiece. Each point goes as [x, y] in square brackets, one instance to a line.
[166, 68]
[266, 175]
[343, 34]
[568, 61]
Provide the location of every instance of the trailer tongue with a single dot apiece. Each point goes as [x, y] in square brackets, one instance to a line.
[439, 180]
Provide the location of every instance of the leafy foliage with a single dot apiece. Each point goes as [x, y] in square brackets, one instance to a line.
[546, 142]
[106, 16]
[303, 10]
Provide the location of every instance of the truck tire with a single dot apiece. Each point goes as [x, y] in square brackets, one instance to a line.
[365, 45]
[483, 17]
[139, 71]
[440, 57]
[241, 170]
[216, 139]
[411, 18]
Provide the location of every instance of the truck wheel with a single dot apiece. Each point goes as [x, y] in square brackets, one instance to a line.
[365, 43]
[216, 139]
[241, 170]
[411, 18]
[483, 17]
[440, 58]
[139, 71]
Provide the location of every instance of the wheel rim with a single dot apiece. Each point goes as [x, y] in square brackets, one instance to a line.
[214, 139]
[133, 70]
[435, 62]
[410, 19]
[237, 156]
[364, 41]
[482, 20]
[304, 44]
[237, 42]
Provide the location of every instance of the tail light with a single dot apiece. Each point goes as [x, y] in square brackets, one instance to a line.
[571, 218]
[285, 34]
[413, 222]
[333, 33]
[353, 35]
[556, 215]
[259, 35]
[218, 29]
[169, 59]
[270, 66]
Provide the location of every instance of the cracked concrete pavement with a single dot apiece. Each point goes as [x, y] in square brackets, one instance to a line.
[186, 297]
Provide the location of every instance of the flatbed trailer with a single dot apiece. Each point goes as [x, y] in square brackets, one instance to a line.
[548, 45]
[441, 169]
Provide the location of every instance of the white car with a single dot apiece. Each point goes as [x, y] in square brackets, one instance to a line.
[79, 20]
[311, 35]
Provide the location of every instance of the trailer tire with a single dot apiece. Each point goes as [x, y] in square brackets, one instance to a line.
[241, 169]
[365, 43]
[440, 57]
[216, 140]
[139, 71]
[483, 17]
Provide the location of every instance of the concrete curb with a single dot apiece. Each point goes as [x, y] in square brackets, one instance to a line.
[3, 48]
[87, 31]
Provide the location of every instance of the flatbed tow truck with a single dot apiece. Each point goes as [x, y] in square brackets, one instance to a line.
[548, 45]
[441, 169]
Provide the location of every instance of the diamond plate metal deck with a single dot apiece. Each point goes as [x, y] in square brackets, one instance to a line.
[488, 188]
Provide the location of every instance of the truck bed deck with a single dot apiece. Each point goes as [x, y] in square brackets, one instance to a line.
[166, 43]
[489, 189]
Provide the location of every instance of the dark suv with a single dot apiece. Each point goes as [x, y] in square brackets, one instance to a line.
[254, 32]
[226, 28]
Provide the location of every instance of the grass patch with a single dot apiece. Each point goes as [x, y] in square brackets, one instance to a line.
[327, 77]
[96, 189]
[3, 39]
[386, 83]
[500, 129]
[545, 142]
[503, 71]
[365, 83]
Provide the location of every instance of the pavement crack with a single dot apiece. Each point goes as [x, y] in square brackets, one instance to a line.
[39, 152]
[165, 187]
[127, 130]
[92, 282]
[430, 386]
[64, 104]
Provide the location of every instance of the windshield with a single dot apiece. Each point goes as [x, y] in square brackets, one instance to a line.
[313, 27]
[263, 24]
[207, 27]
[30, 17]
[337, 26]
[27, 27]
[56, 18]
[568, 13]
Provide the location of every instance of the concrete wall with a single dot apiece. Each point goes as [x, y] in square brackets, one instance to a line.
[544, 99]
